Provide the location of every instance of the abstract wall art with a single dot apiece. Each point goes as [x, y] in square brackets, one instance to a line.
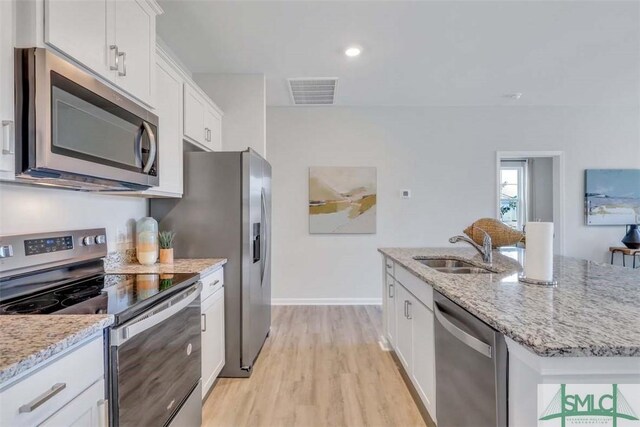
[612, 196]
[342, 200]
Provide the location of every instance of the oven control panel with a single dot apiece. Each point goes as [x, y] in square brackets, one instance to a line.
[47, 244]
[25, 253]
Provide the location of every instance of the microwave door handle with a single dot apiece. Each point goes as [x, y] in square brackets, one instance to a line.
[153, 147]
[124, 333]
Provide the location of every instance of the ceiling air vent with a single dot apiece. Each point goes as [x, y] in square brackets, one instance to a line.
[313, 91]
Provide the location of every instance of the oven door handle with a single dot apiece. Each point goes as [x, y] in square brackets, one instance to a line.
[176, 304]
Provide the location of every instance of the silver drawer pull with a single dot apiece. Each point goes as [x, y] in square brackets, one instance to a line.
[57, 388]
[389, 265]
[214, 283]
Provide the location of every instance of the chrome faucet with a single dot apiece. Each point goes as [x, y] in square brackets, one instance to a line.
[484, 250]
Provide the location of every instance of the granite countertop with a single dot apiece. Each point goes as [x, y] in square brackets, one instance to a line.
[593, 311]
[203, 266]
[27, 340]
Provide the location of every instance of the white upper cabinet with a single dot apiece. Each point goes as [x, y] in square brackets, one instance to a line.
[113, 38]
[135, 38]
[202, 120]
[7, 125]
[194, 106]
[79, 29]
[169, 111]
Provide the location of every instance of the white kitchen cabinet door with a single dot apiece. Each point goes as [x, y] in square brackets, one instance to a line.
[136, 41]
[194, 111]
[86, 410]
[424, 363]
[390, 316]
[79, 29]
[403, 327]
[169, 111]
[213, 126]
[213, 349]
[7, 119]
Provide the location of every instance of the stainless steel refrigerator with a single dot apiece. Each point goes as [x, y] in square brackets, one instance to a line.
[226, 212]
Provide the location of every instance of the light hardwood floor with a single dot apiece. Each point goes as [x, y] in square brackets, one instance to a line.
[320, 366]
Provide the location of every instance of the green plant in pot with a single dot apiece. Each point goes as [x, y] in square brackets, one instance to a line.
[165, 239]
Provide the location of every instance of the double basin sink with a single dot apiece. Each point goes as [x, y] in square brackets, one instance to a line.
[451, 266]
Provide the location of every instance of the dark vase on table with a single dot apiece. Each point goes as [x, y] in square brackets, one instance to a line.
[632, 238]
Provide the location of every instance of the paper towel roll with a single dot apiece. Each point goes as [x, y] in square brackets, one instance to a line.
[538, 261]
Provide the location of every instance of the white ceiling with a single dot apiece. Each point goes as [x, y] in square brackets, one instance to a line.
[420, 53]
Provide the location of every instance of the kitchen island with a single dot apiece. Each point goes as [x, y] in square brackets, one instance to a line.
[562, 334]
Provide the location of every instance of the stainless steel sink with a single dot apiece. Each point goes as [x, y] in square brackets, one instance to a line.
[451, 266]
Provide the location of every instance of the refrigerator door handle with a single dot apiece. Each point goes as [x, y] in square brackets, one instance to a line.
[263, 209]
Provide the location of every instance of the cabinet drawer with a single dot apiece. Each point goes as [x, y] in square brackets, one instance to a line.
[51, 387]
[421, 290]
[212, 282]
[389, 266]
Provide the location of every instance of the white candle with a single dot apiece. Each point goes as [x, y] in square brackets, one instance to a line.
[538, 261]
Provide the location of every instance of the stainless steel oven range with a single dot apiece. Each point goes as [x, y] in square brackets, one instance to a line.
[154, 350]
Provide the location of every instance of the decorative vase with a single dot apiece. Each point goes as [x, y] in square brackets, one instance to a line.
[166, 256]
[147, 240]
[632, 238]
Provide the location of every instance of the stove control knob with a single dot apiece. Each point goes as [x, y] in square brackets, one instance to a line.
[101, 239]
[89, 240]
[6, 251]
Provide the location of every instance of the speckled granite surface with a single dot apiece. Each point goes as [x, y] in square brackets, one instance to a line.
[594, 310]
[203, 266]
[26, 340]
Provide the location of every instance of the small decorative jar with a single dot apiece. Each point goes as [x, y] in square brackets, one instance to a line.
[632, 238]
[147, 240]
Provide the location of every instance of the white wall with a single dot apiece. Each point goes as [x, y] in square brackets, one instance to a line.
[242, 98]
[25, 209]
[446, 156]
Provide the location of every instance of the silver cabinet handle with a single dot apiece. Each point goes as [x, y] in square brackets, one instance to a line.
[35, 403]
[391, 290]
[123, 55]
[469, 340]
[8, 143]
[409, 310]
[116, 67]
[406, 316]
[211, 285]
[204, 322]
[209, 135]
[389, 265]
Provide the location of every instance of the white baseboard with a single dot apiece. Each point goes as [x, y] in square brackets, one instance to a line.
[326, 301]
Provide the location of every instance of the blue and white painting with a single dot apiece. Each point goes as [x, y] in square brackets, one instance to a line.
[612, 196]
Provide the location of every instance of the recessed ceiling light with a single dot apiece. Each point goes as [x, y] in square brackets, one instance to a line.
[353, 51]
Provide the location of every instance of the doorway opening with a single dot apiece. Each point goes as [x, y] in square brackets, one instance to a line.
[530, 187]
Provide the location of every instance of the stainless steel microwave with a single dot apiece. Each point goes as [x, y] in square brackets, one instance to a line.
[74, 131]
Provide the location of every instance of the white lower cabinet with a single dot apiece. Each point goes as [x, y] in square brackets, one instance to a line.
[87, 409]
[390, 319]
[65, 391]
[212, 312]
[403, 327]
[423, 374]
[409, 328]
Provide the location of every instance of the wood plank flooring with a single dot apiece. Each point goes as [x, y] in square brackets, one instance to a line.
[320, 366]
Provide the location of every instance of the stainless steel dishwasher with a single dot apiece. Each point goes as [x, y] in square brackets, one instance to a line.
[471, 369]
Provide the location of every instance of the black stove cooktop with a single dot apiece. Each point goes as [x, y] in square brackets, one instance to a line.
[123, 295]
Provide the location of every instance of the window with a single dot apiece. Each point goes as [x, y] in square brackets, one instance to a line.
[513, 197]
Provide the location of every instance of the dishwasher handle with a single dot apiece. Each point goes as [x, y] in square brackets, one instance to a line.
[469, 340]
[176, 304]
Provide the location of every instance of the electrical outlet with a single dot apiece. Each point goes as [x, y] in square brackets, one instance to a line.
[405, 194]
